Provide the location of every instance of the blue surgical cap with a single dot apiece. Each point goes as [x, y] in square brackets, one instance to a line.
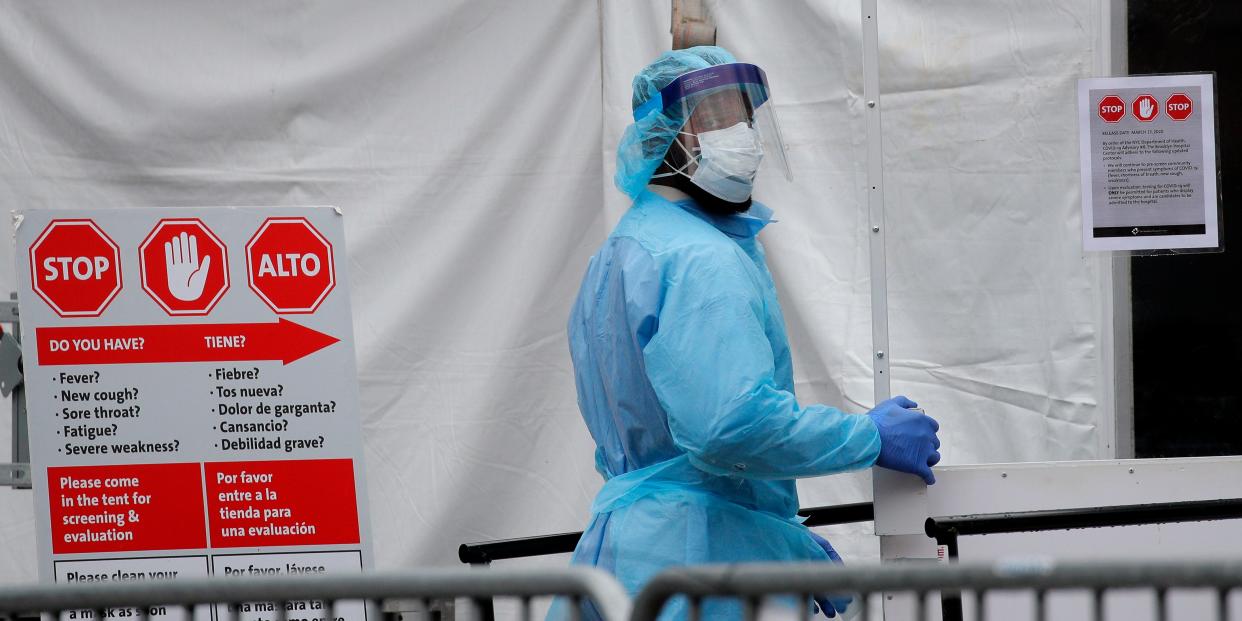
[647, 139]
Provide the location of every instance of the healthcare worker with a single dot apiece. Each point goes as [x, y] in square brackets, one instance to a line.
[680, 355]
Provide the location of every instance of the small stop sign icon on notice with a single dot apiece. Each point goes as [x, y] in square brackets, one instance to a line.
[75, 267]
[1179, 106]
[290, 266]
[1111, 109]
[1146, 108]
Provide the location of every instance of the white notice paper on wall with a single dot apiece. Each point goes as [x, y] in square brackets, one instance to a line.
[1149, 163]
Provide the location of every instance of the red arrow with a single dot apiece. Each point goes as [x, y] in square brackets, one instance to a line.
[207, 342]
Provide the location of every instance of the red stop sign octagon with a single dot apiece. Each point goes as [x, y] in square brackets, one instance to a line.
[1145, 108]
[1111, 109]
[289, 264]
[184, 266]
[75, 267]
[1179, 106]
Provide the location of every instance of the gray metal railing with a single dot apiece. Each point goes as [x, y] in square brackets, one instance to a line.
[750, 585]
[578, 584]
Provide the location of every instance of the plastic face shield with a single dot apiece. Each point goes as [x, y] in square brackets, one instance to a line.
[719, 97]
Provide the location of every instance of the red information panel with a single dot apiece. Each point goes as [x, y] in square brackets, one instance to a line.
[126, 508]
[281, 503]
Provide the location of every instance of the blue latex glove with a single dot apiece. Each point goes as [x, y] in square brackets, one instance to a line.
[908, 441]
[830, 605]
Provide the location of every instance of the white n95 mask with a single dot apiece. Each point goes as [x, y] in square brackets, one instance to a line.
[728, 160]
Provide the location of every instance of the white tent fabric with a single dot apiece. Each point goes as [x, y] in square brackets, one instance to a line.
[470, 145]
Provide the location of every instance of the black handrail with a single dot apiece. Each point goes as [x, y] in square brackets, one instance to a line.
[946, 530]
[838, 514]
[484, 552]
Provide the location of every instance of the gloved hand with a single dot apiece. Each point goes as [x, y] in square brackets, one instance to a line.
[830, 605]
[908, 441]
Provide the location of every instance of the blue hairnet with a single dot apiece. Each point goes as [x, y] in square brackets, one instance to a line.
[647, 139]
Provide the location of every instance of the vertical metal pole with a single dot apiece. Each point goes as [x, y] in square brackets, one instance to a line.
[21, 430]
[1116, 339]
[21, 427]
[21, 450]
[486, 606]
[900, 499]
[950, 601]
[526, 615]
[692, 24]
[18, 412]
[875, 201]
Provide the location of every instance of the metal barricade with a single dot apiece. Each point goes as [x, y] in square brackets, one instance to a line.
[482, 553]
[751, 585]
[140, 600]
[748, 585]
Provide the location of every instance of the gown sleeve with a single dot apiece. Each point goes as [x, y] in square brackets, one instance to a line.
[712, 367]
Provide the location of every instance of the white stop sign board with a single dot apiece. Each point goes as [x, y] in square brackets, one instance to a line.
[187, 426]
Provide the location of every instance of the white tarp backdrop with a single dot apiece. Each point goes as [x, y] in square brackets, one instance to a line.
[470, 145]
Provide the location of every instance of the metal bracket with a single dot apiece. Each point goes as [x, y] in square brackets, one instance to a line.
[10, 364]
[16, 474]
[8, 310]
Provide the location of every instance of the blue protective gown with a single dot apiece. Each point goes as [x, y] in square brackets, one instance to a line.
[685, 381]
